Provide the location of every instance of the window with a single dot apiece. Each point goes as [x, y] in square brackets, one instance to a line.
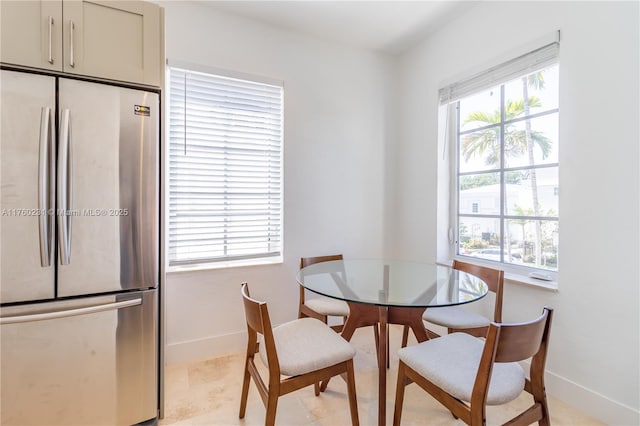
[225, 168]
[506, 156]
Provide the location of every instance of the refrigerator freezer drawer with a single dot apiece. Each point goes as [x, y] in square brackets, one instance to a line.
[90, 361]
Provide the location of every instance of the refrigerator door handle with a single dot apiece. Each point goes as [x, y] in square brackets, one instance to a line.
[65, 190]
[70, 312]
[44, 187]
[51, 213]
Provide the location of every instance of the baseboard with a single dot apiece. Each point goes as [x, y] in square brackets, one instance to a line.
[590, 402]
[205, 348]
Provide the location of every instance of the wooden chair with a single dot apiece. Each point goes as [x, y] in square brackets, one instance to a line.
[458, 319]
[305, 351]
[321, 307]
[458, 368]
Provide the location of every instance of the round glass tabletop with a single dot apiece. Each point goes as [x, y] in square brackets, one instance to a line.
[392, 283]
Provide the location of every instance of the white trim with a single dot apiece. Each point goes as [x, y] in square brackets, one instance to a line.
[223, 264]
[591, 402]
[209, 347]
[533, 282]
[509, 275]
[588, 401]
[190, 66]
[446, 185]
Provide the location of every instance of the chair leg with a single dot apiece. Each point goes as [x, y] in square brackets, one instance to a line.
[397, 411]
[545, 411]
[272, 404]
[351, 392]
[245, 389]
[388, 351]
[478, 417]
[405, 336]
[317, 387]
[376, 335]
[323, 385]
[540, 396]
[347, 333]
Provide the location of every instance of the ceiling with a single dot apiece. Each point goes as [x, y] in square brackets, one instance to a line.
[387, 26]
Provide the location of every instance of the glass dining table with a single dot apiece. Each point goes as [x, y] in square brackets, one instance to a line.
[381, 292]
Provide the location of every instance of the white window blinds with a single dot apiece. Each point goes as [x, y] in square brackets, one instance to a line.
[225, 168]
[535, 60]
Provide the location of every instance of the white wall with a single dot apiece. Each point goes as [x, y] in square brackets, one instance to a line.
[594, 353]
[335, 128]
[360, 175]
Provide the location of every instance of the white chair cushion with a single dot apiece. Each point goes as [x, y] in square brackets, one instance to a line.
[328, 306]
[454, 317]
[307, 344]
[451, 362]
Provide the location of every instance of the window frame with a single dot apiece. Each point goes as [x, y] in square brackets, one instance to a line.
[212, 262]
[503, 216]
[448, 198]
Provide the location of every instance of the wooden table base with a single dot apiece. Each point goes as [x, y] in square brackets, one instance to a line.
[362, 315]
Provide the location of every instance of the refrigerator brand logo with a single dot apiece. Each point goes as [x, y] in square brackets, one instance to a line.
[141, 110]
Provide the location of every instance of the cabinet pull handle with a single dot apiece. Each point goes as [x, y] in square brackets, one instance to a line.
[50, 60]
[72, 27]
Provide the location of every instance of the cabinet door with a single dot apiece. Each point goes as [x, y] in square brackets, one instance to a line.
[31, 33]
[117, 40]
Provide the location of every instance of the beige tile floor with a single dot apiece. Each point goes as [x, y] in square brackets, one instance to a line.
[207, 392]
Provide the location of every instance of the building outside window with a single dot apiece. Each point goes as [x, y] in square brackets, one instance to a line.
[505, 164]
[225, 168]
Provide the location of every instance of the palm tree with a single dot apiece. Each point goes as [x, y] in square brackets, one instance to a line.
[534, 80]
[516, 142]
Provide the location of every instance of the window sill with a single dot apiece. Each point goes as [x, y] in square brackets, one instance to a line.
[514, 277]
[533, 282]
[224, 265]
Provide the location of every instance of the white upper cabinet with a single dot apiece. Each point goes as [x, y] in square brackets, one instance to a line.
[116, 40]
[31, 33]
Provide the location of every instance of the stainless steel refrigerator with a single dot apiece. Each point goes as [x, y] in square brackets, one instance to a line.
[79, 233]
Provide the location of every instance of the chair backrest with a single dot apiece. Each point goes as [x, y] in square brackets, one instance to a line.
[513, 343]
[494, 279]
[255, 312]
[258, 322]
[306, 261]
[517, 342]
